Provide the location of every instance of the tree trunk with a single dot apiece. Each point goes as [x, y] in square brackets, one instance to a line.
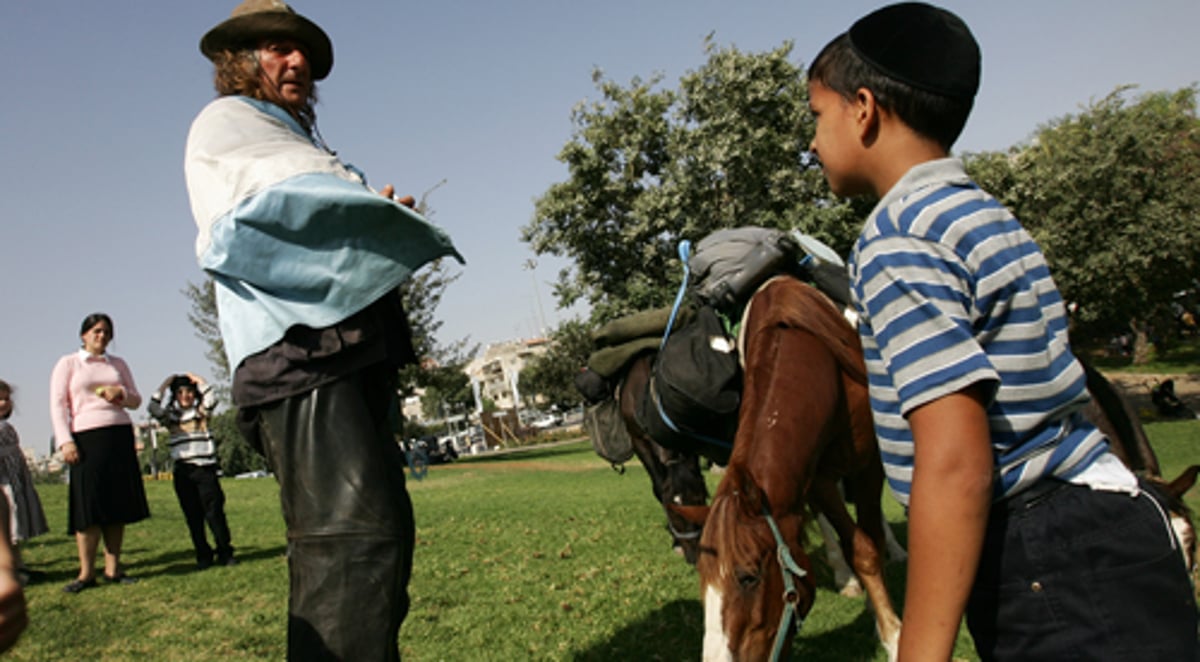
[1141, 342]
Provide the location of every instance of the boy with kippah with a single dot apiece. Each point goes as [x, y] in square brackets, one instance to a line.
[1018, 514]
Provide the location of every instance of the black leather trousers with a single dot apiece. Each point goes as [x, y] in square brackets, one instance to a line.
[349, 518]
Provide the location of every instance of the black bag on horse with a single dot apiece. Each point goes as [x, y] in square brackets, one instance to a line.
[692, 399]
[606, 429]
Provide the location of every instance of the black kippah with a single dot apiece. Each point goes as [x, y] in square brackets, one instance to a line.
[921, 45]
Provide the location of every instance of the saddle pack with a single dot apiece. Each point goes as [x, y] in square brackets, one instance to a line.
[694, 392]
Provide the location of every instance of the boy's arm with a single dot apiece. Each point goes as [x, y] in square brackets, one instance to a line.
[947, 517]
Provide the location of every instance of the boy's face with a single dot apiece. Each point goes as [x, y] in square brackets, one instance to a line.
[185, 396]
[837, 140]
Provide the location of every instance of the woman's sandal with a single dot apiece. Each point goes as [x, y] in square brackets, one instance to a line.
[79, 584]
[120, 578]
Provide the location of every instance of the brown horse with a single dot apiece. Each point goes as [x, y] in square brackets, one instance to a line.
[804, 425]
[675, 477]
[1112, 413]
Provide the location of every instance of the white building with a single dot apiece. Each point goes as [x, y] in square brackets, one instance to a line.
[494, 374]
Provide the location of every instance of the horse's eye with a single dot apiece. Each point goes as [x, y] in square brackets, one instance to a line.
[746, 578]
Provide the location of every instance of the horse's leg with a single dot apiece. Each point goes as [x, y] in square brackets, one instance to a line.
[862, 543]
[843, 578]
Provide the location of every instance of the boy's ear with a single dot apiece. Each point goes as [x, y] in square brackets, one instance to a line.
[866, 114]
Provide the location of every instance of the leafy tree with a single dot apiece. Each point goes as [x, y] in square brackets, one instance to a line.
[552, 375]
[206, 322]
[234, 453]
[447, 391]
[1111, 196]
[649, 166]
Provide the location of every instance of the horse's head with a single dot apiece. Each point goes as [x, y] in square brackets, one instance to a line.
[684, 486]
[747, 595]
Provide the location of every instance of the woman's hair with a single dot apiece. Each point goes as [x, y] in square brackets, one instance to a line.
[93, 320]
[6, 388]
[934, 116]
[238, 73]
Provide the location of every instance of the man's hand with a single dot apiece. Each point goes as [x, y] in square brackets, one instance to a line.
[389, 192]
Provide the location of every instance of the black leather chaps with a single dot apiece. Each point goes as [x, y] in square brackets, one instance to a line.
[349, 517]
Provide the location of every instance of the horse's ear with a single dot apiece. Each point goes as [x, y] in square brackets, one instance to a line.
[1184, 482]
[697, 515]
[751, 498]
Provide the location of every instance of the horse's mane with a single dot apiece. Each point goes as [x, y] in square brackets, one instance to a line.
[740, 509]
[788, 302]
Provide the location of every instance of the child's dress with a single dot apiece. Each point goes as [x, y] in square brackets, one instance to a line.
[25, 508]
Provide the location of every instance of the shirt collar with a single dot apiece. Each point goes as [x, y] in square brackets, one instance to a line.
[86, 356]
[930, 173]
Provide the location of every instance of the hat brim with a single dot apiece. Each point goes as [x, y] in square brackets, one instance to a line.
[244, 32]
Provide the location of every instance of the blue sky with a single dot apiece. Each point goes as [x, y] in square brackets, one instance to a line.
[98, 97]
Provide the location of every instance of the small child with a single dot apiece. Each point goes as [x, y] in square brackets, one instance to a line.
[189, 404]
[26, 517]
[1018, 513]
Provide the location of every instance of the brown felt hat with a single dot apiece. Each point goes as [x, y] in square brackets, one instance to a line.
[255, 19]
[921, 45]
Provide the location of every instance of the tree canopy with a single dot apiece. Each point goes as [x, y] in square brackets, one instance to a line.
[552, 375]
[649, 166]
[1109, 193]
[1111, 196]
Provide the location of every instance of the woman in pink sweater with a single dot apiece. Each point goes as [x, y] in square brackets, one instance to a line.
[89, 393]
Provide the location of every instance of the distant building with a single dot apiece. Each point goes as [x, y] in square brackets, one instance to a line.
[494, 374]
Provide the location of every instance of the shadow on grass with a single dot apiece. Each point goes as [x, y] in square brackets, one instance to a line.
[676, 632]
[183, 562]
[673, 632]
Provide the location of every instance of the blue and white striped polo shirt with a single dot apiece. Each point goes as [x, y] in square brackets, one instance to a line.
[951, 291]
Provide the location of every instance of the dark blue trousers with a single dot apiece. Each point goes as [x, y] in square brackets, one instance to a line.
[1070, 573]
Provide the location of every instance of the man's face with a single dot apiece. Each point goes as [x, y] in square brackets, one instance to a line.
[285, 69]
[836, 139]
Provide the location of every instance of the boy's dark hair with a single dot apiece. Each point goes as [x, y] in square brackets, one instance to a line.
[920, 62]
[181, 382]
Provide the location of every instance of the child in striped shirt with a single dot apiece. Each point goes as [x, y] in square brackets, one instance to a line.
[188, 405]
[1018, 514]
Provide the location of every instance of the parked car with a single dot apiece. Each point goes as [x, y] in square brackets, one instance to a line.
[546, 422]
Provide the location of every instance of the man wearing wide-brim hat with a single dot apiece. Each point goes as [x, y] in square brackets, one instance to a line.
[306, 259]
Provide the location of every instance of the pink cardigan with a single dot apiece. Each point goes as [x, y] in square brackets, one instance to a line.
[74, 405]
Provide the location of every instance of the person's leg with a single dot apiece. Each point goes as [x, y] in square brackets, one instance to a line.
[348, 514]
[190, 501]
[212, 501]
[86, 544]
[114, 537]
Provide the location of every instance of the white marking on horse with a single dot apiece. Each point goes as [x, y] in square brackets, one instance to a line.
[716, 643]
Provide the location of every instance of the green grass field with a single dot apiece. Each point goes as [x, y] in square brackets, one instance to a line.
[546, 554]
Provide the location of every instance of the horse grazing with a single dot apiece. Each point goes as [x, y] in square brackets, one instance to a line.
[804, 425]
[675, 477]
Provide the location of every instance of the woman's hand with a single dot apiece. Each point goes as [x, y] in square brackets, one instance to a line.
[114, 393]
[70, 453]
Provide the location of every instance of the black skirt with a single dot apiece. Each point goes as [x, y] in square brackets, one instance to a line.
[106, 485]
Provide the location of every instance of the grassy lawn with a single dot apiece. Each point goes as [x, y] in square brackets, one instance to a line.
[546, 554]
